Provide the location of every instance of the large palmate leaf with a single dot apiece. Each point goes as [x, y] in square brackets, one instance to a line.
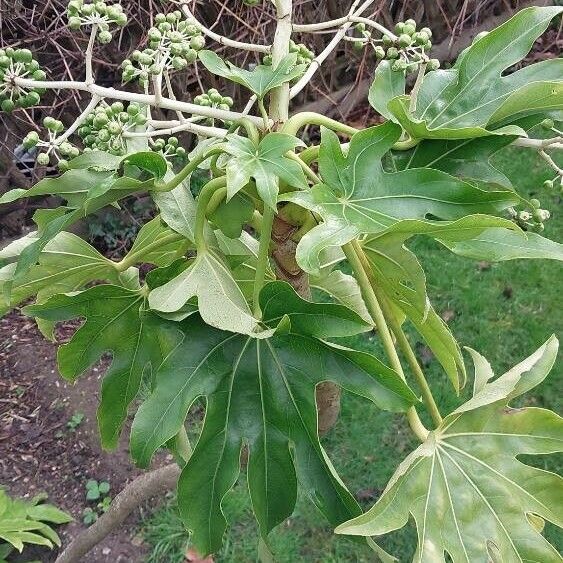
[220, 301]
[265, 163]
[261, 79]
[115, 321]
[358, 196]
[29, 521]
[471, 97]
[469, 495]
[67, 263]
[260, 394]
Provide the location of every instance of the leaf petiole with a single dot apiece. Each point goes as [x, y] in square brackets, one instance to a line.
[205, 196]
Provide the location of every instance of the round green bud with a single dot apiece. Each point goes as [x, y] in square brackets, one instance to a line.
[180, 151]
[104, 37]
[23, 56]
[228, 101]
[104, 135]
[410, 21]
[171, 17]
[32, 99]
[173, 141]
[43, 159]
[392, 53]
[160, 18]
[49, 123]
[5, 61]
[178, 63]
[426, 31]
[358, 45]
[192, 29]
[409, 28]
[548, 184]
[404, 40]
[74, 23]
[115, 128]
[123, 117]
[145, 59]
[197, 43]
[433, 64]
[30, 140]
[535, 203]
[84, 131]
[379, 52]
[32, 66]
[190, 56]
[88, 9]
[387, 40]
[117, 107]
[215, 97]
[100, 120]
[360, 27]
[133, 108]
[140, 119]
[121, 20]
[65, 148]
[547, 123]
[154, 69]
[399, 66]
[9, 51]
[399, 27]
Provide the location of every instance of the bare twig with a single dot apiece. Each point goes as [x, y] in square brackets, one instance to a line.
[144, 487]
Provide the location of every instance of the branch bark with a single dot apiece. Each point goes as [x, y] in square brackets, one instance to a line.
[132, 496]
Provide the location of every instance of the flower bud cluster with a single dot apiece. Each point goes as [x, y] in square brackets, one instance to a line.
[304, 55]
[214, 99]
[169, 148]
[100, 14]
[18, 63]
[55, 147]
[533, 219]
[103, 129]
[407, 50]
[173, 45]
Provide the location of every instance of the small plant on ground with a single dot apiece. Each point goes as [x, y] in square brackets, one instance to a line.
[75, 421]
[225, 317]
[96, 491]
[28, 522]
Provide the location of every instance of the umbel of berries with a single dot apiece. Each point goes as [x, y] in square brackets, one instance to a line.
[173, 44]
[15, 63]
[98, 14]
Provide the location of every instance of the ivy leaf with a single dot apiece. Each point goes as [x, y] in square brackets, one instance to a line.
[260, 393]
[467, 472]
[232, 215]
[261, 79]
[358, 196]
[265, 163]
[387, 84]
[496, 245]
[399, 274]
[115, 321]
[220, 300]
[463, 101]
[149, 161]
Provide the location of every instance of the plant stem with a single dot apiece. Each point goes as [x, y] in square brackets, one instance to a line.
[310, 173]
[402, 340]
[375, 311]
[299, 120]
[205, 196]
[263, 255]
[264, 114]
[186, 171]
[416, 87]
[88, 55]
[131, 259]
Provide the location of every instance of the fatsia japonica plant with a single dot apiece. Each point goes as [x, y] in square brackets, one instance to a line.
[226, 316]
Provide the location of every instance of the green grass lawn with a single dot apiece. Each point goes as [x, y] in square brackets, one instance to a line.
[505, 312]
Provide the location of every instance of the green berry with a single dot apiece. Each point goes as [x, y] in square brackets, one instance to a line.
[43, 159]
[23, 56]
[548, 184]
[32, 99]
[379, 52]
[399, 27]
[426, 31]
[387, 40]
[100, 120]
[360, 27]
[197, 43]
[133, 108]
[216, 97]
[104, 37]
[399, 66]
[535, 203]
[74, 23]
[392, 53]
[409, 28]
[547, 123]
[5, 61]
[178, 63]
[433, 64]
[404, 40]
[30, 140]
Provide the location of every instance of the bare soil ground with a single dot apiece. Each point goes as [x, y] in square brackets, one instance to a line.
[39, 453]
